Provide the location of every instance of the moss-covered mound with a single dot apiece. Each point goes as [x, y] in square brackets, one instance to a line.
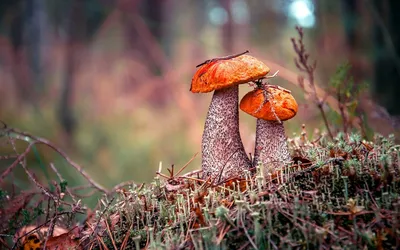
[337, 194]
[341, 194]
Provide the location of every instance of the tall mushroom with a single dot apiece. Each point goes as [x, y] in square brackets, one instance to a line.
[271, 105]
[223, 154]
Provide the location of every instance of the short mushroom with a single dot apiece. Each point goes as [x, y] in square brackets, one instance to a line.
[271, 105]
[223, 154]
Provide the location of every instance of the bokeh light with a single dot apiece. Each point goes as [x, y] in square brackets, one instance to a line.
[303, 12]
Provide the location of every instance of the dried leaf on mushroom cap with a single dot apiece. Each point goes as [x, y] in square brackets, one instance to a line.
[280, 104]
[219, 74]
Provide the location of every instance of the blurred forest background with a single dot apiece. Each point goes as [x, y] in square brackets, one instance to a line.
[108, 80]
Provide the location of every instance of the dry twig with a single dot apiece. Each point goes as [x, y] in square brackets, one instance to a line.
[304, 66]
[38, 140]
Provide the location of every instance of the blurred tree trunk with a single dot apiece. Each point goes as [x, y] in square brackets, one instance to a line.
[167, 33]
[351, 19]
[127, 9]
[197, 23]
[386, 39]
[266, 24]
[27, 28]
[227, 28]
[147, 39]
[156, 18]
[19, 66]
[151, 10]
[76, 32]
[35, 31]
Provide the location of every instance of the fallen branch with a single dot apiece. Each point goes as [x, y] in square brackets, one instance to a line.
[38, 140]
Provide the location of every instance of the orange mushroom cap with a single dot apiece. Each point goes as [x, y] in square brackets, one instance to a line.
[284, 104]
[219, 74]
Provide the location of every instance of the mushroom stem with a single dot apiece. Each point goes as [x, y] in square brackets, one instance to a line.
[271, 148]
[223, 154]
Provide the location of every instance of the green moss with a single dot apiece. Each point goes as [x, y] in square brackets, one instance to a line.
[334, 195]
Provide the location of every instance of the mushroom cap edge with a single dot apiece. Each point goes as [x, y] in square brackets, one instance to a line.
[284, 104]
[221, 74]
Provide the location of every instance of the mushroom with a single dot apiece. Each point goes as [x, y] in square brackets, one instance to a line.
[271, 105]
[223, 154]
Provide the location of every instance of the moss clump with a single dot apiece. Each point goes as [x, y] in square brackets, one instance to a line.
[335, 194]
[339, 194]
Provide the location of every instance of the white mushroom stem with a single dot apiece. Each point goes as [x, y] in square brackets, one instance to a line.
[223, 154]
[271, 148]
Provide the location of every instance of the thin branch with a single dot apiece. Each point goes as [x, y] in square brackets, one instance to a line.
[302, 64]
[101, 215]
[43, 189]
[247, 234]
[38, 140]
[299, 80]
[61, 180]
[122, 184]
[16, 162]
[187, 164]
[52, 225]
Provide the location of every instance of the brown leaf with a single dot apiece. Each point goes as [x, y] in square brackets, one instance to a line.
[199, 215]
[338, 153]
[39, 233]
[64, 241]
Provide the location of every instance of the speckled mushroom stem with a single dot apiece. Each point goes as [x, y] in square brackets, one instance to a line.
[271, 149]
[223, 154]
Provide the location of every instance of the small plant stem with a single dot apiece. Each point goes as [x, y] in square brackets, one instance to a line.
[15, 163]
[346, 194]
[320, 107]
[37, 140]
[247, 234]
[180, 170]
[303, 65]
[137, 242]
[341, 108]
